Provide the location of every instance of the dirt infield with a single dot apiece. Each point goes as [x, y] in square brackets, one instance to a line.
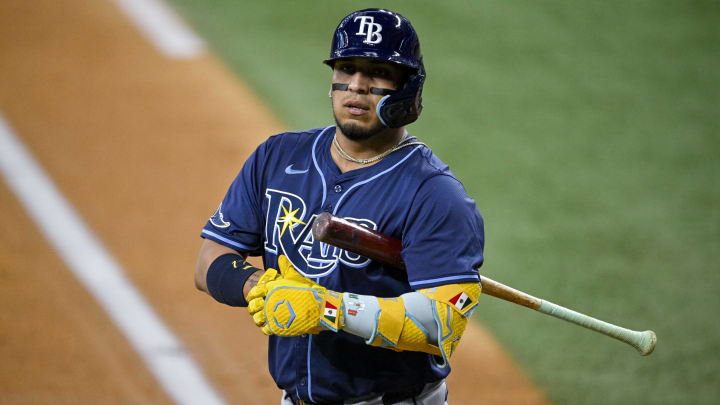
[144, 147]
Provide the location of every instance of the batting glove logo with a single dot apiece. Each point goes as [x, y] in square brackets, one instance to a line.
[289, 315]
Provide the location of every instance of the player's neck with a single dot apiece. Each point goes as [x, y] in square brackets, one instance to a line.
[364, 149]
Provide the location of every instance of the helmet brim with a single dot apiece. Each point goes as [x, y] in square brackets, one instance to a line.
[380, 55]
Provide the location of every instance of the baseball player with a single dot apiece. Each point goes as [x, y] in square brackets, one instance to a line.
[344, 329]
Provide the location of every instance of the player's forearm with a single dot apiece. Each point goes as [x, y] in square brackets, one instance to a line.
[383, 324]
[209, 252]
[224, 274]
[201, 282]
[432, 321]
[251, 282]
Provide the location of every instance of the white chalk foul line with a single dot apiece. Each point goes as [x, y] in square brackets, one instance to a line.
[83, 253]
[159, 23]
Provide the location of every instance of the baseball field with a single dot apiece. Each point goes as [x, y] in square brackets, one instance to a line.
[588, 135]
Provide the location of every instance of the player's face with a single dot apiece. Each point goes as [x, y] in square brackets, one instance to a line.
[355, 109]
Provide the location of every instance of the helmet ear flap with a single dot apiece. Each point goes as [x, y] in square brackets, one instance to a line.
[403, 107]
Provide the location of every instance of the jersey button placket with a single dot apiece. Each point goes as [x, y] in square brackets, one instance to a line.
[301, 350]
[333, 197]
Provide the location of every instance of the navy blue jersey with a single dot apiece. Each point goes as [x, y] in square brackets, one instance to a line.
[410, 195]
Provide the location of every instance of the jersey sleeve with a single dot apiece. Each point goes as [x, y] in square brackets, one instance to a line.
[237, 223]
[444, 237]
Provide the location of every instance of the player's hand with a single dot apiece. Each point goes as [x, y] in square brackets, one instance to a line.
[256, 295]
[287, 272]
[292, 305]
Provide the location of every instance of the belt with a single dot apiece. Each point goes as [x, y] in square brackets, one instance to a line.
[298, 401]
[388, 398]
[301, 402]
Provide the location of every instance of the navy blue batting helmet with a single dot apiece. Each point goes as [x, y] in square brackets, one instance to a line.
[388, 36]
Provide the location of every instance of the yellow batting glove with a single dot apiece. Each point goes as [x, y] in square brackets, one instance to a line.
[293, 311]
[289, 274]
[292, 305]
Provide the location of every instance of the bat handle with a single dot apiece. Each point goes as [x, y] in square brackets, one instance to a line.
[644, 341]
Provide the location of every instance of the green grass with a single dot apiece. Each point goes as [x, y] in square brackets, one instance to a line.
[588, 134]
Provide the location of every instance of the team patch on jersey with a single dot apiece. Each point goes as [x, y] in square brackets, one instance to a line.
[218, 220]
[461, 301]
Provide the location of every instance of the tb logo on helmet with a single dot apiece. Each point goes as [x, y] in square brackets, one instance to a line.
[370, 28]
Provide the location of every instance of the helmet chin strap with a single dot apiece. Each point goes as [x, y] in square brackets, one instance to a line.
[373, 90]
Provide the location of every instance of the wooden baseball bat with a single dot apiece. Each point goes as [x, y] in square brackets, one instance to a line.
[385, 249]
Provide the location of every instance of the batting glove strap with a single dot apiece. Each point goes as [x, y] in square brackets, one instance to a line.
[389, 322]
[332, 311]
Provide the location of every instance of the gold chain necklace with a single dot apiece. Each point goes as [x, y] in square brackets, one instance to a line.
[346, 156]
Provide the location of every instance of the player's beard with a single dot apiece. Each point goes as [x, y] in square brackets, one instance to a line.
[356, 133]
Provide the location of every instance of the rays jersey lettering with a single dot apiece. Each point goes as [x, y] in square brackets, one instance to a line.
[288, 231]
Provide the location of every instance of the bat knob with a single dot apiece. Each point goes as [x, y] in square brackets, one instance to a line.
[321, 226]
[646, 343]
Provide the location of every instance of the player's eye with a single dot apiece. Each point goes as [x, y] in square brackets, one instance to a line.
[347, 69]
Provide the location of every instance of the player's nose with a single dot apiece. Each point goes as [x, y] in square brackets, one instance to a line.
[359, 83]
